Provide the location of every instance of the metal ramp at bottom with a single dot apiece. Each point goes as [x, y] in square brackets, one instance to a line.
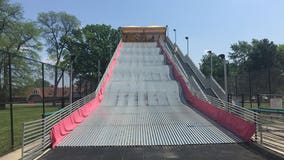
[146, 126]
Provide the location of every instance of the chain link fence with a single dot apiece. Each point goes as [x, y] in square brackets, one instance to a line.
[30, 90]
[262, 91]
[256, 88]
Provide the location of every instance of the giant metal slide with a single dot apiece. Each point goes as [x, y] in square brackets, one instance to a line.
[150, 104]
[143, 105]
[146, 101]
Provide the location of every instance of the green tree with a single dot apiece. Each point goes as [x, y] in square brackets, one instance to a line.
[262, 55]
[259, 54]
[260, 61]
[280, 57]
[19, 38]
[240, 54]
[255, 61]
[280, 65]
[9, 14]
[217, 65]
[54, 27]
[89, 44]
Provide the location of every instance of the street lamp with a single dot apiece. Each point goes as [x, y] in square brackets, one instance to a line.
[222, 56]
[99, 70]
[72, 57]
[211, 63]
[110, 55]
[167, 30]
[187, 45]
[175, 36]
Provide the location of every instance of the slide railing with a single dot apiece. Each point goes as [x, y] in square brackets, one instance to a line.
[225, 113]
[189, 80]
[269, 126]
[206, 83]
[272, 130]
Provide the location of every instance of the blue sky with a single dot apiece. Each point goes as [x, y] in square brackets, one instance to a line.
[210, 24]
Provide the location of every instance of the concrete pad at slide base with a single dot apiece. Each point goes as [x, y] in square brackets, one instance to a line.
[182, 152]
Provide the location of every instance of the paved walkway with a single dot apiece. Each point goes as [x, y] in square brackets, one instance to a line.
[15, 155]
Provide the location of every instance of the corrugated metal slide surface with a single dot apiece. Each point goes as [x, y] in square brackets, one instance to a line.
[142, 106]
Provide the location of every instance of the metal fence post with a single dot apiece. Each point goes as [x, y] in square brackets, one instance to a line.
[260, 127]
[43, 106]
[43, 96]
[99, 71]
[80, 87]
[236, 85]
[258, 100]
[256, 124]
[72, 58]
[269, 81]
[250, 90]
[23, 141]
[43, 136]
[11, 103]
[70, 85]
[243, 100]
[63, 90]
[86, 87]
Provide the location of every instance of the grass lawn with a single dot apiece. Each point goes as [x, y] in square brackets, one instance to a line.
[22, 113]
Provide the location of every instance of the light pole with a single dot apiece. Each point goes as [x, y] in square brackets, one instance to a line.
[187, 45]
[175, 36]
[110, 55]
[222, 56]
[167, 30]
[99, 70]
[211, 64]
[72, 57]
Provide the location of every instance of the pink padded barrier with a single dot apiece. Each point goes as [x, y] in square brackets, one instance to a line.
[238, 126]
[69, 123]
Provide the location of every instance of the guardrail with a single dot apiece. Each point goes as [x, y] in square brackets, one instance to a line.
[270, 123]
[195, 70]
[236, 110]
[216, 88]
[36, 134]
[206, 82]
[272, 131]
[189, 80]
